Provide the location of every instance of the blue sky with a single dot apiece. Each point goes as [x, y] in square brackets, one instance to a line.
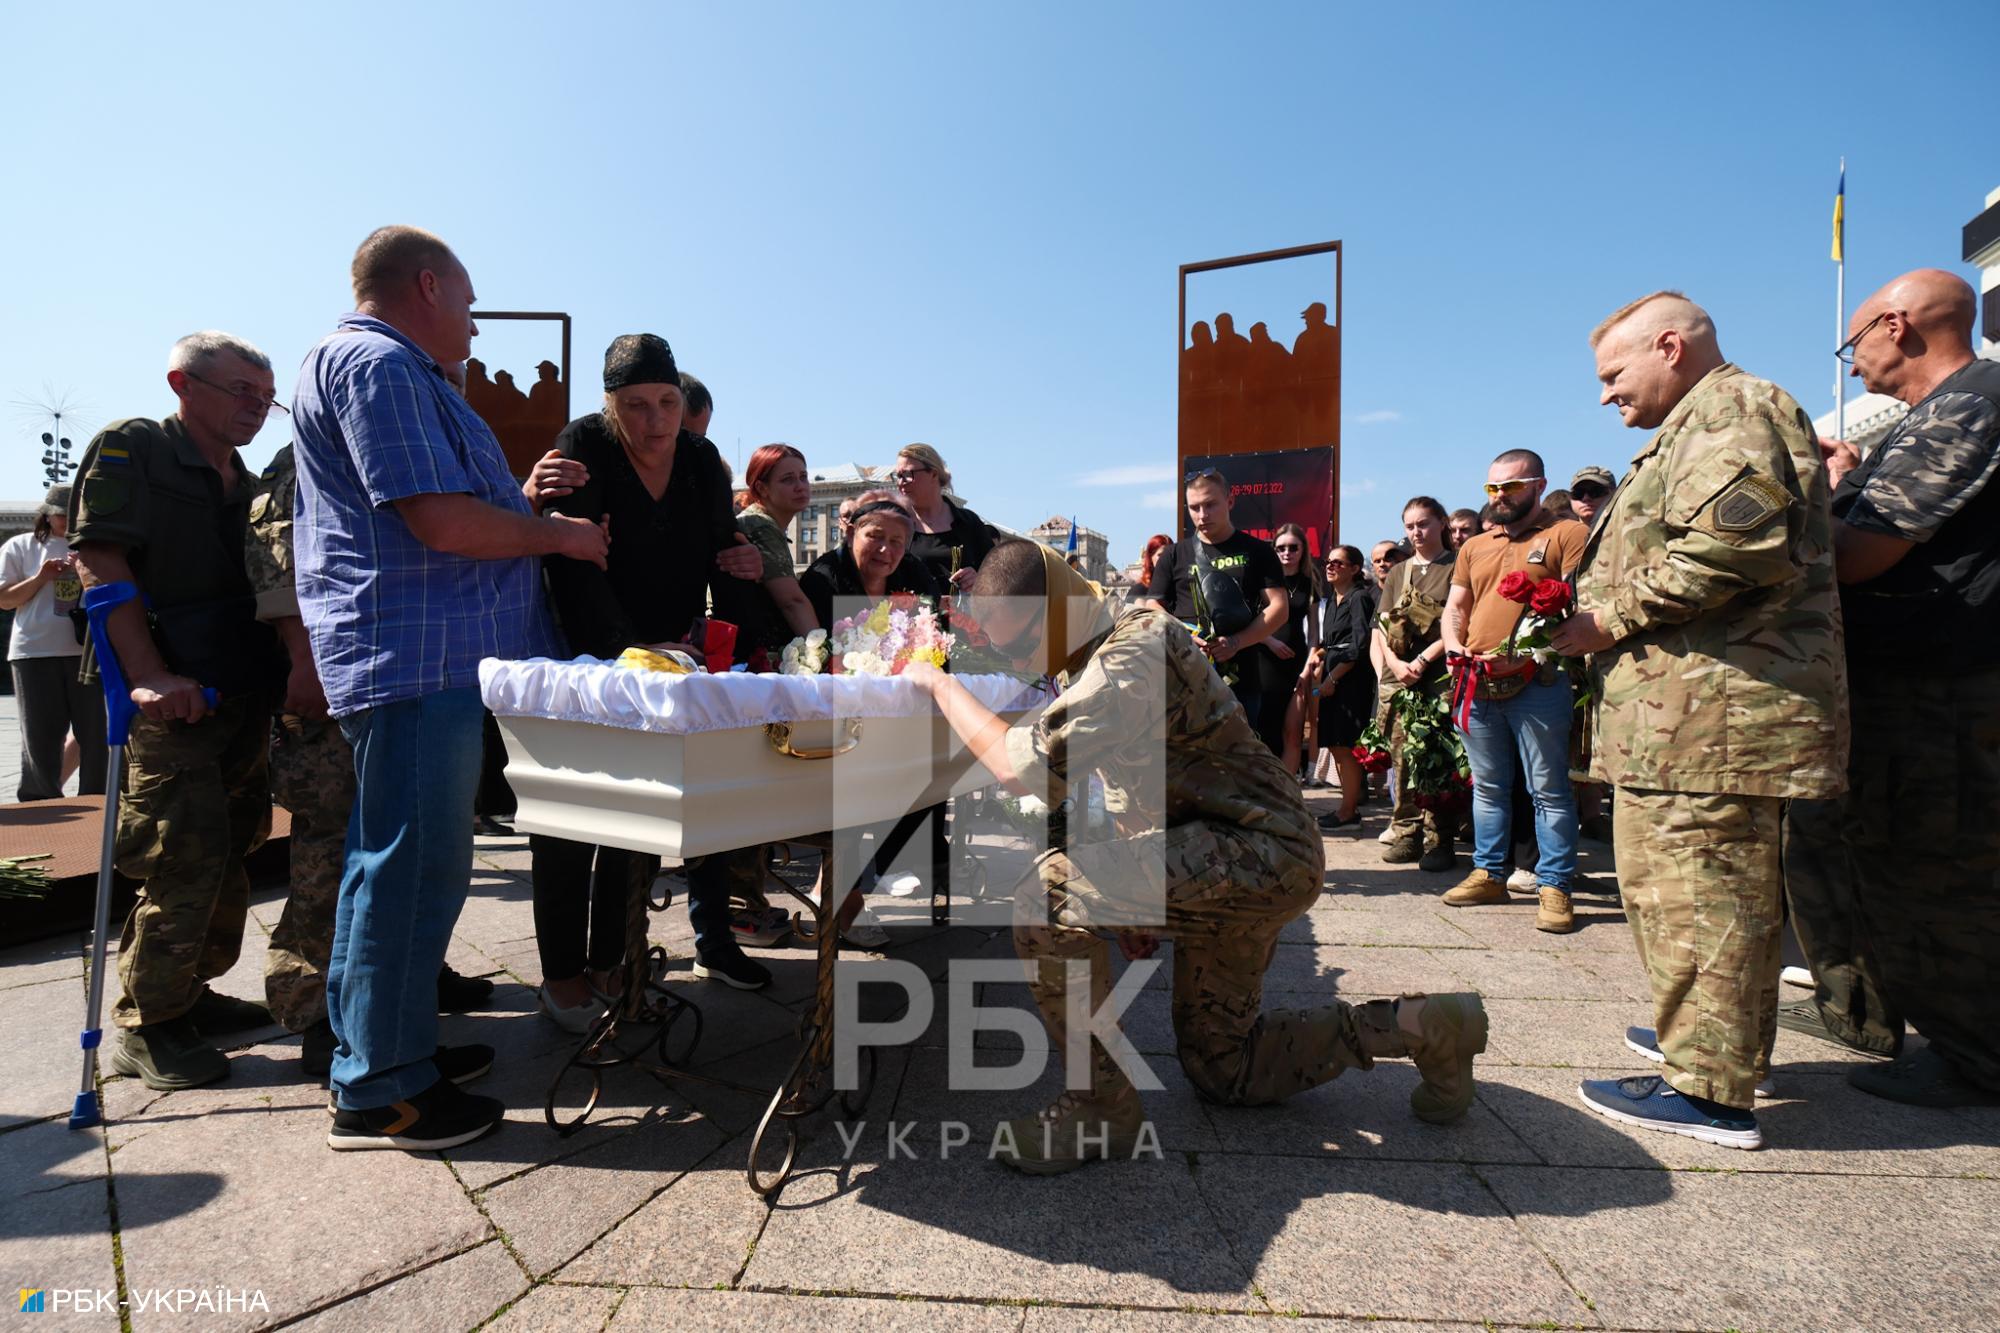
[868, 225]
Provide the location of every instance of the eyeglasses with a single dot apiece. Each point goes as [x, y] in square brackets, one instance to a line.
[905, 478]
[1514, 487]
[248, 397]
[1590, 490]
[1845, 352]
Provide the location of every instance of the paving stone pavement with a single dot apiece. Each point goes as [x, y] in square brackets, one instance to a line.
[1530, 1213]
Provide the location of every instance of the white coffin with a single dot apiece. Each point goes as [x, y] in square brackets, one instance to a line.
[687, 765]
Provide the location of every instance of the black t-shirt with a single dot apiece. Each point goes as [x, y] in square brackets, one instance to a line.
[968, 532]
[834, 575]
[662, 555]
[1250, 562]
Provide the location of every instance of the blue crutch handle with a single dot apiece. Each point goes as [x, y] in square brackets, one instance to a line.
[119, 710]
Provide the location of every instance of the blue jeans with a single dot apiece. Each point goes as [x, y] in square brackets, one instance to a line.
[409, 865]
[1536, 723]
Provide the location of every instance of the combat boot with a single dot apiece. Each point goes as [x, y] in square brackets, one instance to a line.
[1405, 847]
[1476, 890]
[1556, 914]
[1449, 1031]
[1074, 1129]
[1441, 856]
[214, 1013]
[169, 1056]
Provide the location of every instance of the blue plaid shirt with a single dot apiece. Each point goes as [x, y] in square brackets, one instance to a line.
[375, 422]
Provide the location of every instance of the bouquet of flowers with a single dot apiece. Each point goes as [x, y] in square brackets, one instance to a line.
[1435, 769]
[1548, 602]
[900, 630]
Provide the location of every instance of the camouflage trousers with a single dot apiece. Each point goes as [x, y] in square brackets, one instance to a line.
[196, 801]
[1226, 895]
[1822, 890]
[1922, 823]
[312, 776]
[1702, 883]
[1406, 817]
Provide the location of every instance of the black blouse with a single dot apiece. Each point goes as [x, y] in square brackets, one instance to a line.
[662, 556]
[834, 575]
[967, 531]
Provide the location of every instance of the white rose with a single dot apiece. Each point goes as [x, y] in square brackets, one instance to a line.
[815, 638]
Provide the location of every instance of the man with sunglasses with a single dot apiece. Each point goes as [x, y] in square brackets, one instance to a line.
[1589, 489]
[165, 505]
[1510, 705]
[1916, 543]
[1706, 601]
[1243, 604]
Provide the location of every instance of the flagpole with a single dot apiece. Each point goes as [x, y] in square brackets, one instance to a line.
[1840, 318]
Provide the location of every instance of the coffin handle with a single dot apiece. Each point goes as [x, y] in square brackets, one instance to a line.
[780, 736]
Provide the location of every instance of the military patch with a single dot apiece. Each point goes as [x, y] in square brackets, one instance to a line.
[111, 453]
[105, 495]
[1539, 556]
[1747, 503]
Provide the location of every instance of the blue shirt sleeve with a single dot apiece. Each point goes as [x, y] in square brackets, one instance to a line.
[393, 427]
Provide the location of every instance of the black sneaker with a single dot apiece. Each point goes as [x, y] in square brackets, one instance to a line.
[441, 1116]
[214, 1014]
[462, 1064]
[733, 967]
[460, 994]
[316, 1045]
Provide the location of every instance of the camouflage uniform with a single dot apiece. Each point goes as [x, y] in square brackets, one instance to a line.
[196, 800]
[1230, 857]
[1919, 821]
[312, 776]
[1722, 697]
[1413, 605]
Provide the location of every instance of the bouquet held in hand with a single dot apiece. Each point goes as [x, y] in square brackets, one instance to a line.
[1549, 602]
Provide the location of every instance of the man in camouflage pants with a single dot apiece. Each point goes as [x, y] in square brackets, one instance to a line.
[1707, 599]
[1219, 855]
[1917, 546]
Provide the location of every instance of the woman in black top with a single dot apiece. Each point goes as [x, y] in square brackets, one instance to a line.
[1340, 633]
[1278, 722]
[665, 493]
[873, 563]
[942, 526]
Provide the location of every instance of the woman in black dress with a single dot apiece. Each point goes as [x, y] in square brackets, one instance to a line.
[943, 525]
[874, 562]
[665, 492]
[1279, 719]
[1341, 629]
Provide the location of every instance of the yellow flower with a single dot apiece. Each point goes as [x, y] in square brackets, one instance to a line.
[878, 619]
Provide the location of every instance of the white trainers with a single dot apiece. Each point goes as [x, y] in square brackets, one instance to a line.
[905, 885]
[1801, 977]
[1387, 835]
[575, 1018]
[1522, 881]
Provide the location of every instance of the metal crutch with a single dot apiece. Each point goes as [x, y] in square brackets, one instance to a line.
[98, 604]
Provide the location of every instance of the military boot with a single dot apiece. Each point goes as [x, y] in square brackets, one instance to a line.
[1440, 856]
[1074, 1129]
[217, 1013]
[1405, 847]
[169, 1056]
[1440, 1037]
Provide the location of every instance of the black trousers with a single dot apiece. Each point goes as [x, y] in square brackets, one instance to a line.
[51, 703]
[582, 895]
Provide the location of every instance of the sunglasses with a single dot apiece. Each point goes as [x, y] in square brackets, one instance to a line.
[1513, 487]
[1288, 548]
[1344, 564]
[1202, 474]
[1590, 490]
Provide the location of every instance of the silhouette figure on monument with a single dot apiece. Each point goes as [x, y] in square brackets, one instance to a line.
[1316, 359]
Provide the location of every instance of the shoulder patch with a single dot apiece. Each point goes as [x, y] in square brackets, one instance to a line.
[105, 494]
[1748, 503]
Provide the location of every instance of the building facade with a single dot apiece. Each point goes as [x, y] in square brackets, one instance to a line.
[1092, 545]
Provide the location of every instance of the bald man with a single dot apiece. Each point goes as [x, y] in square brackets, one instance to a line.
[1707, 601]
[1917, 546]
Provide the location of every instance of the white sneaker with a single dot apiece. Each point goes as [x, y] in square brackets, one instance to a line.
[1801, 977]
[865, 931]
[1522, 881]
[904, 885]
[575, 1018]
[1387, 835]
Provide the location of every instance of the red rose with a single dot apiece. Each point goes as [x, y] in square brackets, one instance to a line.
[1551, 597]
[902, 601]
[1516, 587]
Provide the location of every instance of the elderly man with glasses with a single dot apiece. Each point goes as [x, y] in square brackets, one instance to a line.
[164, 505]
[1508, 704]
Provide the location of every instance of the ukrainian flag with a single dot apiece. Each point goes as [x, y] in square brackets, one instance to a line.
[1840, 216]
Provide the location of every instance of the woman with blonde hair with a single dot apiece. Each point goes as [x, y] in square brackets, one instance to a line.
[944, 526]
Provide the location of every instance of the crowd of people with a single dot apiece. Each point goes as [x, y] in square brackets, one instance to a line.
[1696, 684]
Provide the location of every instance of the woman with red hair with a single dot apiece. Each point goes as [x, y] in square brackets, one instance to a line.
[1155, 544]
[776, 489]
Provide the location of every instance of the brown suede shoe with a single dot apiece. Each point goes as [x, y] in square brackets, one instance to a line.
[1556, 915]
[1074, 1130]
[1476, 890]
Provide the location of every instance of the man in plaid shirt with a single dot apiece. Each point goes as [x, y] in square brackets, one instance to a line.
[418, 555]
